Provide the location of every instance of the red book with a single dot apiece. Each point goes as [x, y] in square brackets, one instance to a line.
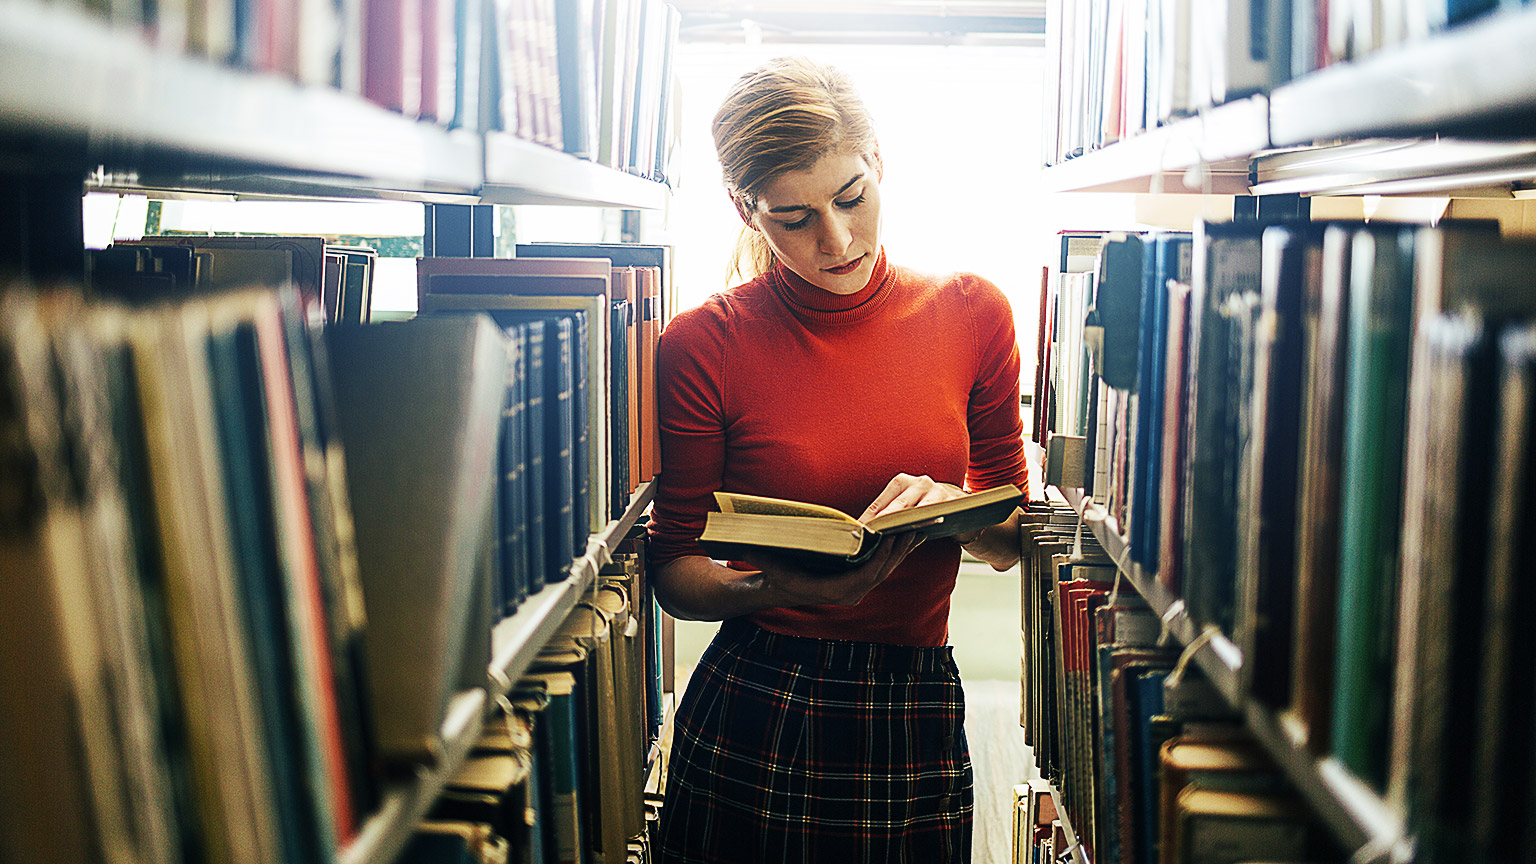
[1171, 537]
[296, 533]
[650, 333]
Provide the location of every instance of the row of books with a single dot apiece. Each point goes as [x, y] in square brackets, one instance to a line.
[1321, 441]
[339, 276]
[579, 433]
[1127, 66]
[247, 632]
[1150, 763]
[184, 667]
[590, 77]
[1039, 835]
[559, 775]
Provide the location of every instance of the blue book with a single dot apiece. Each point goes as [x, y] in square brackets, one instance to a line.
[1146, 698]
[619, 330]
[536, 492]
[564, 454]
[1170, 260]
[514, 582]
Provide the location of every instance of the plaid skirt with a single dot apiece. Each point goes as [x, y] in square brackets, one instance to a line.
[787, 749]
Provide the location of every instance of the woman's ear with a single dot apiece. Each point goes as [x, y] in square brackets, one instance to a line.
[879, 166]
[744, 213]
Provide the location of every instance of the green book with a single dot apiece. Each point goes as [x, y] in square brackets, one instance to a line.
[1376, 394]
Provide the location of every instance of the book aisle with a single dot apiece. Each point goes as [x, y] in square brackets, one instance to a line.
[288, 579]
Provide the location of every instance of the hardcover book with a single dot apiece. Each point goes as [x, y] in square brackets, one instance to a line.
[826, 539]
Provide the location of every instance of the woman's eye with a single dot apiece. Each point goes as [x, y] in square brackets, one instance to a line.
[849, 205]
[797, 224]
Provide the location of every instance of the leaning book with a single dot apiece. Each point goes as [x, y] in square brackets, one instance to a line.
[827, 540]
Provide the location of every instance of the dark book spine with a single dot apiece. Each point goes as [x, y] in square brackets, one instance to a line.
[241, 427]
[560, 396]
[1380, 309]
[538, 490]
[144, 530]
[1276, 463]
[582, 437]
[330, 516]
[514, 462]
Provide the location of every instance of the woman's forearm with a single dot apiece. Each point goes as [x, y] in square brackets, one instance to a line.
[695, 588]
[999, 544]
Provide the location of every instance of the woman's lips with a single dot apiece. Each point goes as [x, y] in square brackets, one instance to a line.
[845, 269]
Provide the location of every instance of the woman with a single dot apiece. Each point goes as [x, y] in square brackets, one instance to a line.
[824, 723]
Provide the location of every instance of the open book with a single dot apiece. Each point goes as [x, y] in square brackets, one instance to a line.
[824, 539]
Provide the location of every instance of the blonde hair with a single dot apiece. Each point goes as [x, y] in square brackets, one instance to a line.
[783, 116]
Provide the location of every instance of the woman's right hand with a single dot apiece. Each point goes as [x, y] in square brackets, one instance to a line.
[792, 585]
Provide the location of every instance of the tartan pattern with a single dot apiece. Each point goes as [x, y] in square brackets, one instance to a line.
[789, 749]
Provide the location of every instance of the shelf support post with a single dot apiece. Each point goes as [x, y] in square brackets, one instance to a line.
[1271, 209]
[42, 227]
[459, 231]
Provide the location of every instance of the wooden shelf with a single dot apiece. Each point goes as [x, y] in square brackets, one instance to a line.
[98, 95]
[520, 636]
[1358, 816]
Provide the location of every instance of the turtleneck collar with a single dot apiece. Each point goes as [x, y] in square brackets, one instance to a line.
[817, 304]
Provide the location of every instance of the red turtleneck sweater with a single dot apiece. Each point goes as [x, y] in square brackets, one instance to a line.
[779, 388]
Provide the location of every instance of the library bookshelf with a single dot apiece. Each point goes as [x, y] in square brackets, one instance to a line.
[1355, 813]
[1425, 115]
[89, 103]
[1452, 120]
[516, 640]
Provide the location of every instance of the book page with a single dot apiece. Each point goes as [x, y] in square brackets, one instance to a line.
[734, 502]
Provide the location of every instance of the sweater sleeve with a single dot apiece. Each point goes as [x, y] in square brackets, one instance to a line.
[996, 425]
[690, 368]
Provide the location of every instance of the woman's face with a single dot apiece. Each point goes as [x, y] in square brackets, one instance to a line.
[823, 222]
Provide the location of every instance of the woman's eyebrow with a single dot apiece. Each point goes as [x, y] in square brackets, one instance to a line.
[844, 188]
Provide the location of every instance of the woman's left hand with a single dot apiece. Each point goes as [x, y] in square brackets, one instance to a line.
[906, 491]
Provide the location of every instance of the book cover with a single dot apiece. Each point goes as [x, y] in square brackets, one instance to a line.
[210, 643]
[242, 427]
[1170, 262]
[566, 467]
[1213, 826]
[577, 57]
[66, 791]
[1462, 298]
[1170, 541]
[1269, 467]
[593, 352]
[1451, 406]
[1118, 304]
[419, 573]
[826, 539]
[558, 747]
[652, 322]
[1380, 305]
[1223, 294]
[1325, 306]
[1502, 755]
[334, 535]
[542, 497]
[314, 649]
[513, 486]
